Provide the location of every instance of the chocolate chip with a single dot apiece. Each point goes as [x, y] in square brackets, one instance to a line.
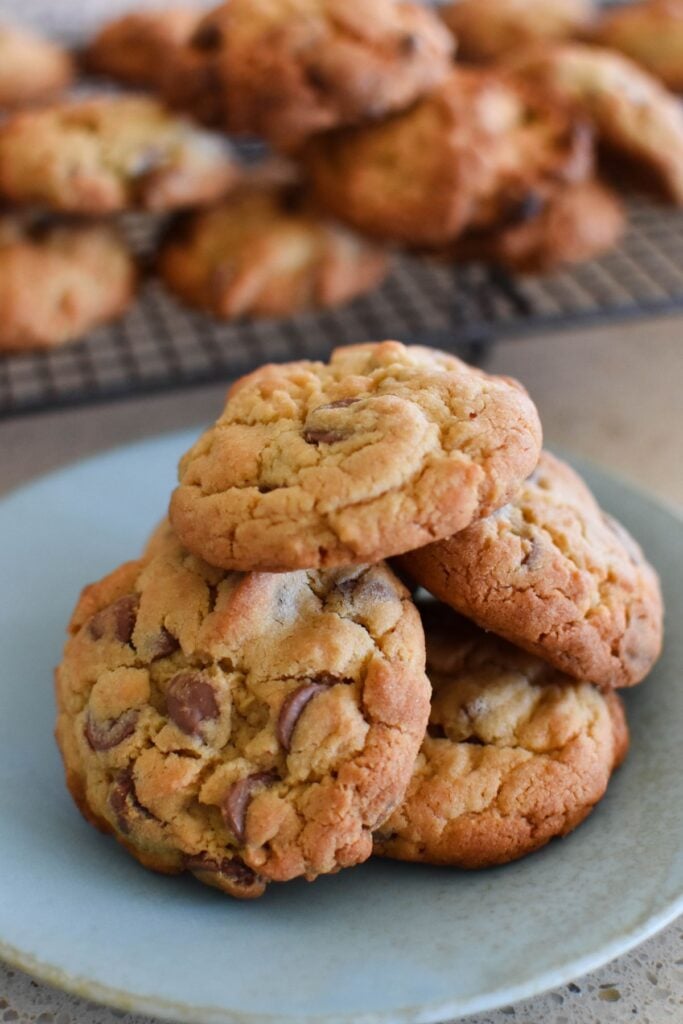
[341, 403]
[323, 436]
[317, 79]
[236, 801]
[534, 556]
[207, 37]
[110, 734]
[164, 644]
[436, 731]
[409, 44]
[118, 619]
[118, 799]
[527, 208]
[232, 869]
[190, 701]
[294, 704]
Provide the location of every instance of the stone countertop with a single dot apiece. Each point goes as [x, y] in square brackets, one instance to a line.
[612, 395]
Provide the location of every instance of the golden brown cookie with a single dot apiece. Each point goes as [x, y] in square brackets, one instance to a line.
[515, 753]
[488, 29]
[32, 69]
[245, 728]
[59, 280]
[384, 448]
[254, 255]
[634, 114]
[453, 161]
[112, 153]
[651, 34]
[285, 70]
[553, 574]
[140, 47]
[549, 229]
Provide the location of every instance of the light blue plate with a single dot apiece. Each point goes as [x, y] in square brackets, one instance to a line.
[384, 942]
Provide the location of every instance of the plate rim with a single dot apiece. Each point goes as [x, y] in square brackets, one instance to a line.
[157, 1005]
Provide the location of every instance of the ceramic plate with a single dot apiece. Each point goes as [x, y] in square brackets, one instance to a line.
[384, 942]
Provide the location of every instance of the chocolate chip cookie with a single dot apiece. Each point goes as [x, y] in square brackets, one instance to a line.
[140, 48]
[245, 728]
[261, 254]
[32, 69]
[651, 34]
[384, 448]
[549, 228]
[287, 70]
[108, 154]
[635, 116]
[553, 574]
[488, 29]
[516, 753]
[59, 280]
[457, 160]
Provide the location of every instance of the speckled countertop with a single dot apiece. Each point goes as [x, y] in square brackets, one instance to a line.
[611, 395]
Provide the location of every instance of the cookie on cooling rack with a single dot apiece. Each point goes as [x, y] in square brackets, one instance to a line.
[634, 114]
[380, 450]
[112, 153]
[32, 69]
[258, 254]
[140, 48]
[285, 71]
[488, 29]
[651, 34]
[246, 728]
[451, 162]
[549, 228]
[552, 573]
[516, 753]
[59, 280]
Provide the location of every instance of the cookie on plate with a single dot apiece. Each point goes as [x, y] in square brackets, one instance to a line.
[651, 34]
[452, 161]
[287, 70]
[139, 48]
[246, 728]
[380, 450]
[552, 573]
[488, 29]
[59, 280]
[103, 155]
[635, 116]
[32, 69]
[259, 254]
[516, 753]
[547, 229]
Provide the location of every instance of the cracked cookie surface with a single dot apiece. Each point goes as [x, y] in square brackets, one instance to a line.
[109, 154]
[59, 280]
[285, 69]
[245, 728]
[554, 574]
[458, 159]
[515, 754]
[385, 448]
[32, 69]
[260, 253]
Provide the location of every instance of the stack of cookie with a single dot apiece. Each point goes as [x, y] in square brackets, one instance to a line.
[249, 701]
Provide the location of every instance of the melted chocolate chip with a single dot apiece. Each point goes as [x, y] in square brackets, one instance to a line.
[436, 732]
[236, 801]
[232, 869]
[527, 208]
[409, 44]
[190, 701]
[341, 403]
[534, 556]
[207, 37]
[164, 644]
[110, 734]
[323, 436]
[118, 619]
[294, 704]
[118, 799]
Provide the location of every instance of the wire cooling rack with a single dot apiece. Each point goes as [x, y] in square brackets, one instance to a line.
[160, 346]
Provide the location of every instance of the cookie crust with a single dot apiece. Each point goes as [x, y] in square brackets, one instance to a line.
[140, 48]
[552, 573]
[109, 154]
[515, 754]
[258, 255]
[247, 728]
[488, 29]
[650, 34]
[385, 447]
[60, 280]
